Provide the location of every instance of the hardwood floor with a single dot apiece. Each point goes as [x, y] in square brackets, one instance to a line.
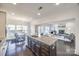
[63, 49]
[18, 50]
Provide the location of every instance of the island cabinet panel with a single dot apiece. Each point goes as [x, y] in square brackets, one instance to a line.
[40, 48]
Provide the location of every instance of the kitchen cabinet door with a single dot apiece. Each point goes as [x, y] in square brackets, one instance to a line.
[2, 24]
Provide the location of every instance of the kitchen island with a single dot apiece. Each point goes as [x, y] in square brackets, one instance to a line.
[43, 45]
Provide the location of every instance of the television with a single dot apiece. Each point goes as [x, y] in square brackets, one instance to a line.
[61, 31]
[51, 32]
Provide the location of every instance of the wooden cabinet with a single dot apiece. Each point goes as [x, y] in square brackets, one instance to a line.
[2, 25]
[3, 45]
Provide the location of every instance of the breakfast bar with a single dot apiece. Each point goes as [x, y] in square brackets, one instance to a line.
[43, 45]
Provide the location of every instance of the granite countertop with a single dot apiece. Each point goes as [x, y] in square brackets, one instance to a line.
[45, 39]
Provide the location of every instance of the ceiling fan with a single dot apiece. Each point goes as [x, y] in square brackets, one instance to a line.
[40, 8]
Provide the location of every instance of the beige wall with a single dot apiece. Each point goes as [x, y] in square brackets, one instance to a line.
[16, 22]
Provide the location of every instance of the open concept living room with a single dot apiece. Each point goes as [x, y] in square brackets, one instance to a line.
[39, 29]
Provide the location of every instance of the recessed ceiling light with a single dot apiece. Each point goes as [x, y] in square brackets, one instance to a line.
[14, 3]
[12, 13]
[57, 3]
[38, 14]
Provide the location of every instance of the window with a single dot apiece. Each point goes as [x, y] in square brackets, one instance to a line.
[10, 27]
[46, 30]
[25, 29]
[19, 27]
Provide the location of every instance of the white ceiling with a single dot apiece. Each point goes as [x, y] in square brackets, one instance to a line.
[29, 10]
